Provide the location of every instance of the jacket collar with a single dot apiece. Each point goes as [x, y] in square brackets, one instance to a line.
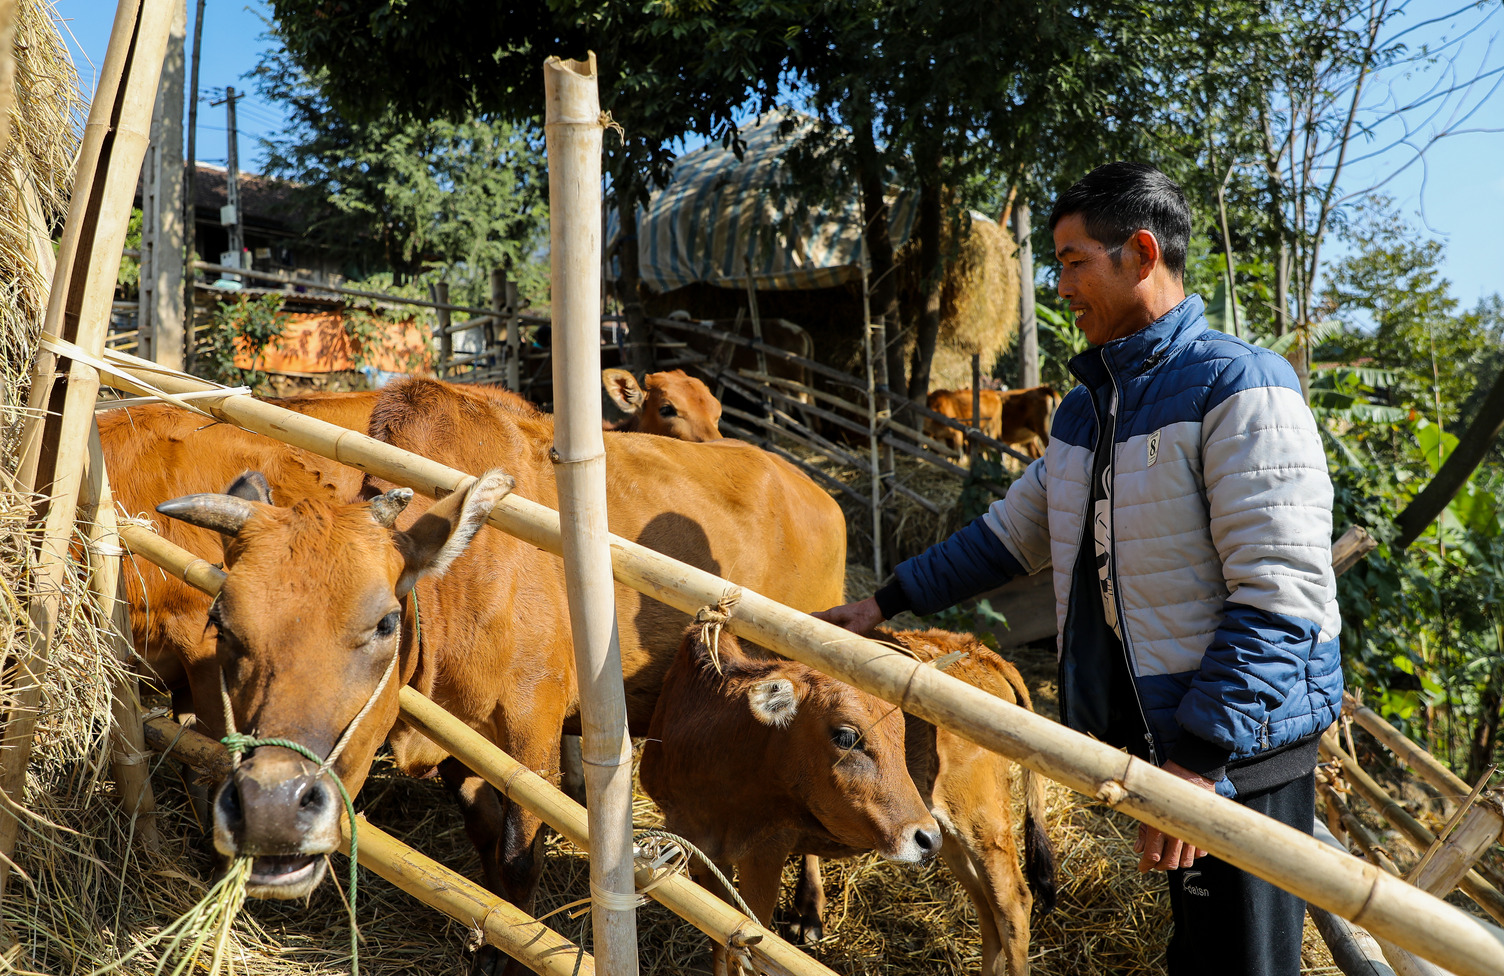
[1142, 351]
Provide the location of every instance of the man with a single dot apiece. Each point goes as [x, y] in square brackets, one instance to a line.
[1185, 507]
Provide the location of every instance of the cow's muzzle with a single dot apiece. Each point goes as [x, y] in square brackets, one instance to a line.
[283, 811]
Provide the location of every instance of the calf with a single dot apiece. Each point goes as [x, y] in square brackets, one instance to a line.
[1011, 416]
[671, 404]
[736, 804]
[754, 759]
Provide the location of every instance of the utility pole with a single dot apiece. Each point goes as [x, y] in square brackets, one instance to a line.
[190, 189]
[229, 216]
[160, 316]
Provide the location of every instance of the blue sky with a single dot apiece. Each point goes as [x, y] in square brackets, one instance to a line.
[1456, 194]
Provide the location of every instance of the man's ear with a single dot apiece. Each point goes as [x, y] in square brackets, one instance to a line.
[774, 701]
[621, 386]
[1146, 246]
[443, 532]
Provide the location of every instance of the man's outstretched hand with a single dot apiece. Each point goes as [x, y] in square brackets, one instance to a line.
[859, 617]
[1160, 852]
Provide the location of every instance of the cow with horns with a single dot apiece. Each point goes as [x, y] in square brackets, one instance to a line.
[320, 599]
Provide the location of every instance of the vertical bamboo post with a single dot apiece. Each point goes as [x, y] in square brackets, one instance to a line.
[1028, 324]
[872, 438]
[78, 310]
[976, 406]
[498, 316]
[573, 133]
[884, 408]
[514, 338]
[439, 292]
[107, 585]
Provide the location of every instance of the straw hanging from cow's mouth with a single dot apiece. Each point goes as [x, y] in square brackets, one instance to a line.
[713, 619]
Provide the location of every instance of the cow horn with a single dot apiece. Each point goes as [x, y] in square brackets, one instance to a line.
[387, 506]
[222, 513]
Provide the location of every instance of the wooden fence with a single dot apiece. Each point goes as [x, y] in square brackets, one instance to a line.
[1353, 889]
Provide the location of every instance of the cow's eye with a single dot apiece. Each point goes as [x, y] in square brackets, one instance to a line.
[667, 410]
[387, 626]
[845, 738]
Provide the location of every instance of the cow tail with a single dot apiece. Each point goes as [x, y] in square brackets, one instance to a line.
[1039, 856]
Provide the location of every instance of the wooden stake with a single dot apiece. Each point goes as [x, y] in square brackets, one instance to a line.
[439, 292]
[1281, 855]
[55, 446]
[1472, 884]
[107, 585]
[573, 131]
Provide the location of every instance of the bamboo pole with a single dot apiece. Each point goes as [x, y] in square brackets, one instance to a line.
[707, 912]
[1451, 786]
[439, 292]
[107, 586]
[1473, 885]
[975, 449]
[573, 132]
[505, 926]
[514, 337]
[874, 448]
[56, 443]
[1278, 854]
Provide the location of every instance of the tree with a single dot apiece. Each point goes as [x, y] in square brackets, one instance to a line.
[405, 194]
[667, 70]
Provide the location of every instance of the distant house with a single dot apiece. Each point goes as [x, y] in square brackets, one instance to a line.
[273, 226]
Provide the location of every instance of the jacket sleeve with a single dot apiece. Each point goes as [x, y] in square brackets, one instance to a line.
[1011, 539]
[1270, 505]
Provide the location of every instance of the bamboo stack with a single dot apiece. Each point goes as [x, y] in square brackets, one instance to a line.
[64, 391]
[1281, 855]
[573, 132]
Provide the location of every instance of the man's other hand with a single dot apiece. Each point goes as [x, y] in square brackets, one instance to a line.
[1159, 851]
[859, 617]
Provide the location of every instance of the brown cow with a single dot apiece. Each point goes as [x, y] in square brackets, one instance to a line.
[495, 642]
[671, 404]
[160, 451]
[1011, 416]
[743, 792]
[754, 759]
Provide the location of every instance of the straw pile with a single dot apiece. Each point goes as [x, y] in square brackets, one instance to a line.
[978, 298]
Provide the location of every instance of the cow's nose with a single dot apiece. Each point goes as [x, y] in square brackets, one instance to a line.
[276, 803]
[928, 841]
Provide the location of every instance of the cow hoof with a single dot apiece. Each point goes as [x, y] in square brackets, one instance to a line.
[806, 929]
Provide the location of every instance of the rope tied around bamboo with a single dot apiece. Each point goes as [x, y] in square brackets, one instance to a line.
[713, 619]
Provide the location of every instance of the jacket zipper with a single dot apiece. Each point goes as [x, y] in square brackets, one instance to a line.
[1112, 558]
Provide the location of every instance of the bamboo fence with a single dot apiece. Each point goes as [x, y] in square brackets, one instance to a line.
[1285, 857]
[573, 131]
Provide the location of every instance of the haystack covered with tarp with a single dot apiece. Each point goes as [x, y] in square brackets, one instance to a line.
[727, 224]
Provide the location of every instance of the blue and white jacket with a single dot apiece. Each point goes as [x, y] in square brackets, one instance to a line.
[1219, 536]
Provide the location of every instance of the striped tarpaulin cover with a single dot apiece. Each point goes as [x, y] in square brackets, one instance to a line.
[720, 216]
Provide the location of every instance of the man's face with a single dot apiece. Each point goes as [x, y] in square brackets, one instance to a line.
[1099, 281]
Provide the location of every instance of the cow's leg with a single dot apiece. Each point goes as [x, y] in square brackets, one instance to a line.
[986, 862]
[705, 879]
[808, 924]
[572, 768]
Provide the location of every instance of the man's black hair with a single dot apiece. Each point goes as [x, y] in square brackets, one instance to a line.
[1117, 199]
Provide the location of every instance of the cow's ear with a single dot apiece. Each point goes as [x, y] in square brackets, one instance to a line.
[437, 538]
[252, 486]
[774, 701]
[621, 386]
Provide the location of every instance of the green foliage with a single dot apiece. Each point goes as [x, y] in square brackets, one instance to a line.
[402, 195]
[129, 277]
[245, 325]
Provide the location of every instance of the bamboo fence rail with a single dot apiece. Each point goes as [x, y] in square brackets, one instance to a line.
[1281, 855]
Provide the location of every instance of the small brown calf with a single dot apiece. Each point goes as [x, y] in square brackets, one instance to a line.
[672, 404]
[1011, 416]
[750, 791]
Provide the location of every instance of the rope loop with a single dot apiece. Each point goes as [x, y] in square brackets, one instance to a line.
[712, 621]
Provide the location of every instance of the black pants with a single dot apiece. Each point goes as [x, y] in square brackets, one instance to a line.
[1230, 923]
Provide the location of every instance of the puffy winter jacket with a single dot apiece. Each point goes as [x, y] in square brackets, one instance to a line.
[1219, 538]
